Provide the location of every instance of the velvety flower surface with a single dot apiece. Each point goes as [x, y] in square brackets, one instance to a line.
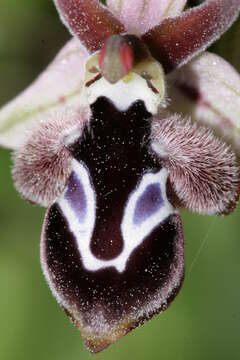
[131, 121]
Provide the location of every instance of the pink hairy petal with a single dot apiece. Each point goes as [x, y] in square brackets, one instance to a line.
[89, 20]
[176, 41]
[141, 15]
[58, 87]
[203, 170]
[42, 165]
[208, 88]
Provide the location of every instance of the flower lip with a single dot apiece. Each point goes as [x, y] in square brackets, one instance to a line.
[106, 302]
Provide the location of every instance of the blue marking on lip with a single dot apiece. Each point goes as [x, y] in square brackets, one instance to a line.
[148, 203]
[76, 197]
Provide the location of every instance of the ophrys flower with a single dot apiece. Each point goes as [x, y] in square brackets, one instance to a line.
[95, 141]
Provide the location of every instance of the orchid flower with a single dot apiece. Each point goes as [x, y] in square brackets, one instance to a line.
[132, 121]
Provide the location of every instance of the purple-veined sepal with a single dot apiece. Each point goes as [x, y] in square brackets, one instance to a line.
[208, 89]
[57, 91]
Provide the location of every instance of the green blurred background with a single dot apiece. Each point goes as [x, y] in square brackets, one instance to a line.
[204, 320]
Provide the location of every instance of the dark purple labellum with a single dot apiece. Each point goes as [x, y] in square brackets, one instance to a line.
[123, 261]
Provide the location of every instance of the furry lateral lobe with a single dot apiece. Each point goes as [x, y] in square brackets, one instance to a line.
[204, 172]
[42, 165]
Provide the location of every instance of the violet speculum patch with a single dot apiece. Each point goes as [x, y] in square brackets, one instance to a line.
[104, 139]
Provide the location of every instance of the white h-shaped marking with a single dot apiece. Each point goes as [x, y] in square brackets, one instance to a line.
[133, 234]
